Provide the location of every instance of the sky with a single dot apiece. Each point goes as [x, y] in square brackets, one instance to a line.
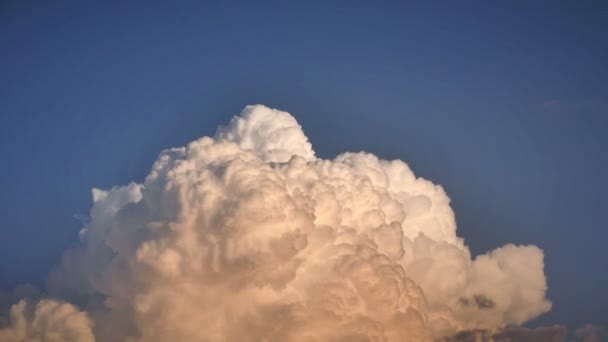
[505, 106]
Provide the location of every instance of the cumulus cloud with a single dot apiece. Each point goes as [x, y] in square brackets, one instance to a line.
[249, 236]
[46, 321]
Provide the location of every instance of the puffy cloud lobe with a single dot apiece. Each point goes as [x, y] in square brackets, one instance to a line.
[47, 321]
[249, 236]
[274, 135]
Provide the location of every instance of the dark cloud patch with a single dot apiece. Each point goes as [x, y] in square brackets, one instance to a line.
[591, 333]
[556, 333]
[481, 301]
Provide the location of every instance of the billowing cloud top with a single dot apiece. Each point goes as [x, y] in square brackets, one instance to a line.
[248, 236]
[273, 135]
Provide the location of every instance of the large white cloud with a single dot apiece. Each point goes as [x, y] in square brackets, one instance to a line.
[248, 236]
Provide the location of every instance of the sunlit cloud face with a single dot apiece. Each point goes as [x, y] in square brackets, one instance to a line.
[47, 321]
[249, 236]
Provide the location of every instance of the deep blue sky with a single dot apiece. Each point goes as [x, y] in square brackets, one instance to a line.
[505, 106]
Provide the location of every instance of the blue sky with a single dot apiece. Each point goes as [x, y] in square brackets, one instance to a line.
[505, 106]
